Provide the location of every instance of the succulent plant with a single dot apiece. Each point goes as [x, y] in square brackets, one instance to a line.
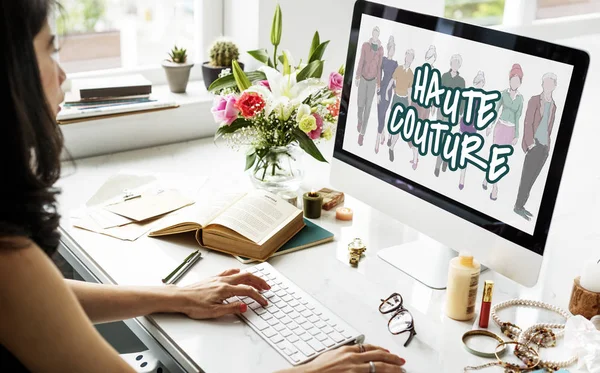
[178, 55]
[222, 53]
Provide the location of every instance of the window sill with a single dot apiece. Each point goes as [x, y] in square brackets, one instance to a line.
[191, 120]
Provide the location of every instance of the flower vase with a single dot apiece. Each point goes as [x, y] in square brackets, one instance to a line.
[279, 170]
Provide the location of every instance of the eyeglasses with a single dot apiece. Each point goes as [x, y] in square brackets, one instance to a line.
[402, 321]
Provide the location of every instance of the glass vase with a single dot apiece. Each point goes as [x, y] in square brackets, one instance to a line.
[279, 170]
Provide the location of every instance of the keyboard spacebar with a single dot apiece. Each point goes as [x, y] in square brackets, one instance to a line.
[256, 320]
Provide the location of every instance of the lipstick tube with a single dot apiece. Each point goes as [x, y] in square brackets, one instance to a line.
[486, 304]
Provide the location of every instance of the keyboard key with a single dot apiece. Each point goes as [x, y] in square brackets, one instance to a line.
[279, 327]
[270, 305]
[313, 318]
[306, 313]
[285, 285]
[318, 346]
[261, 268]
[320, 324]
[298, 296]
[318, 312]
[273, 321]
[308, 326]
[268, 294]
[327, 330]
[293, 338]
[324, 317]
[301, 320]
[339, 328]
[280, 293]
[279, 315]
[328, 342]
[277, 338]
[297, 357]
[286, 332]
[294, 315]
[303, 301]
[254, 306]
[249, 301]
[306, 337]
[304, 348]
[299, 331]
[287, 309]
[256, 320]
[287, 347]
[260, 311]
[300, 308]
[266, 316]
[310, 306]
[337, 337]
[293, 303]
[286, 320]
[252, 270]
[269, 332]
[314, 331]
[293, 325]
[347, 334]
[321, 337]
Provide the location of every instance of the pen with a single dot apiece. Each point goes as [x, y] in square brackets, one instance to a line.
[182, 268]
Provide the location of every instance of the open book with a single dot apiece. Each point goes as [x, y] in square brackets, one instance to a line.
[252, 225]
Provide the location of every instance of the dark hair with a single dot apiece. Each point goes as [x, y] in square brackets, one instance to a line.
[31, 142]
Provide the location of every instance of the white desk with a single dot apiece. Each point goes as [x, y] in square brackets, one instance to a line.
[227, 345]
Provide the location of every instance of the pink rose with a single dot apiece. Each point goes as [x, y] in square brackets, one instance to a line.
[225, 110]
[316, 133]
[264, 83]
[336, 81]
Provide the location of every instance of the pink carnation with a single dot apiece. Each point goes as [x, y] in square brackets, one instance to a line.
[316, 133]
[264, 83]
[225, 110]
[336, 81]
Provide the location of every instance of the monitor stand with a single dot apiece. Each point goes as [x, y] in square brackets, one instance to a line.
[425, 260]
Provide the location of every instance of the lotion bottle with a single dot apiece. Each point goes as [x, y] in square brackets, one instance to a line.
[463, 281]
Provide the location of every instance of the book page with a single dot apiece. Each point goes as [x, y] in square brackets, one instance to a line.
[257, 216]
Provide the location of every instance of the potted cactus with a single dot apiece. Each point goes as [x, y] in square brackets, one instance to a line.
[222, 54]
[177, 69]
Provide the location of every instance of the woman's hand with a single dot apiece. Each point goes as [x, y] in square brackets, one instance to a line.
[349, 359]
[204, 300]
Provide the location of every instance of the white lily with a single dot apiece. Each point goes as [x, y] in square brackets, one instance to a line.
[286, 94]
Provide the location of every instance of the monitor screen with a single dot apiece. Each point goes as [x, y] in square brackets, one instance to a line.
[468, 124]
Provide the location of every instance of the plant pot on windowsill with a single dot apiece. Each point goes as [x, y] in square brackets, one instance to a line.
[178, 75]
[211, 73]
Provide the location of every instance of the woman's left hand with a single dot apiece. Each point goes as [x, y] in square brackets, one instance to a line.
[204, 300]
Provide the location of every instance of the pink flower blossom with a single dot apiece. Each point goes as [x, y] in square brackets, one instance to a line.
[264, 83]
[316, 133]
[336, 81]
[225, 110]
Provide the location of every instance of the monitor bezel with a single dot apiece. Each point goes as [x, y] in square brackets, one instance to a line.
[577, 58]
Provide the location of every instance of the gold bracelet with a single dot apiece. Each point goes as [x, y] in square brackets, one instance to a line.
[483, 333]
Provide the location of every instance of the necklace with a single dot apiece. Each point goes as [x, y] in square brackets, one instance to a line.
[540, 334]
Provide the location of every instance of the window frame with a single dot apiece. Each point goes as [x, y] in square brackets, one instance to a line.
[209, 25]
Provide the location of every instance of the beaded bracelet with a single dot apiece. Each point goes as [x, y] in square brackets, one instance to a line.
[513, 332]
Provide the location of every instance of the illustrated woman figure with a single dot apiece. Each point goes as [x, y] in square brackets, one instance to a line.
[403, 80]
[368, 79]
[388, 66]
[506, 129]
[450, 79]
[422, 112]
[478, 82]
[537, 129]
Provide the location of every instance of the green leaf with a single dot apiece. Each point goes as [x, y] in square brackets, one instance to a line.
[319, 51]
[312, 70]
[315, 43]
[236, 125]
[241, 79]
[280, 58]
[250, 159]
[308, 145]
[261, 55]
[276, 27]
[229, 81]
[342, 70]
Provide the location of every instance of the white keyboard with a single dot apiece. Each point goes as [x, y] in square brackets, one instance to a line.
[293, 322]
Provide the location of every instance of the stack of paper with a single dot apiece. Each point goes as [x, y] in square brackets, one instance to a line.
[126, 206]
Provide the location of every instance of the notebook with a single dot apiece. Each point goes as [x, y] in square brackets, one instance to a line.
[311, 235]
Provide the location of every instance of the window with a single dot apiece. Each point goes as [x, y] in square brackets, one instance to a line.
[481, 12]
[561, 8]
[127, 34]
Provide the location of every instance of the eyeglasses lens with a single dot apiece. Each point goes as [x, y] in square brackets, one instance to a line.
[401, 322]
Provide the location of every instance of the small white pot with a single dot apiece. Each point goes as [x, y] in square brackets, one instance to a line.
[178, 75]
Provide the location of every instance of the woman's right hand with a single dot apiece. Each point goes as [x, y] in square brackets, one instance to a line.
[349, 359]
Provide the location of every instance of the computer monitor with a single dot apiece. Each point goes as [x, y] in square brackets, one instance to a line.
[458, 131]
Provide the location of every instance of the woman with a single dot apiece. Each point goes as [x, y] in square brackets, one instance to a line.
[506, 130]
[45, 321]
[388, 66]
[423, 113]
[478, 82]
